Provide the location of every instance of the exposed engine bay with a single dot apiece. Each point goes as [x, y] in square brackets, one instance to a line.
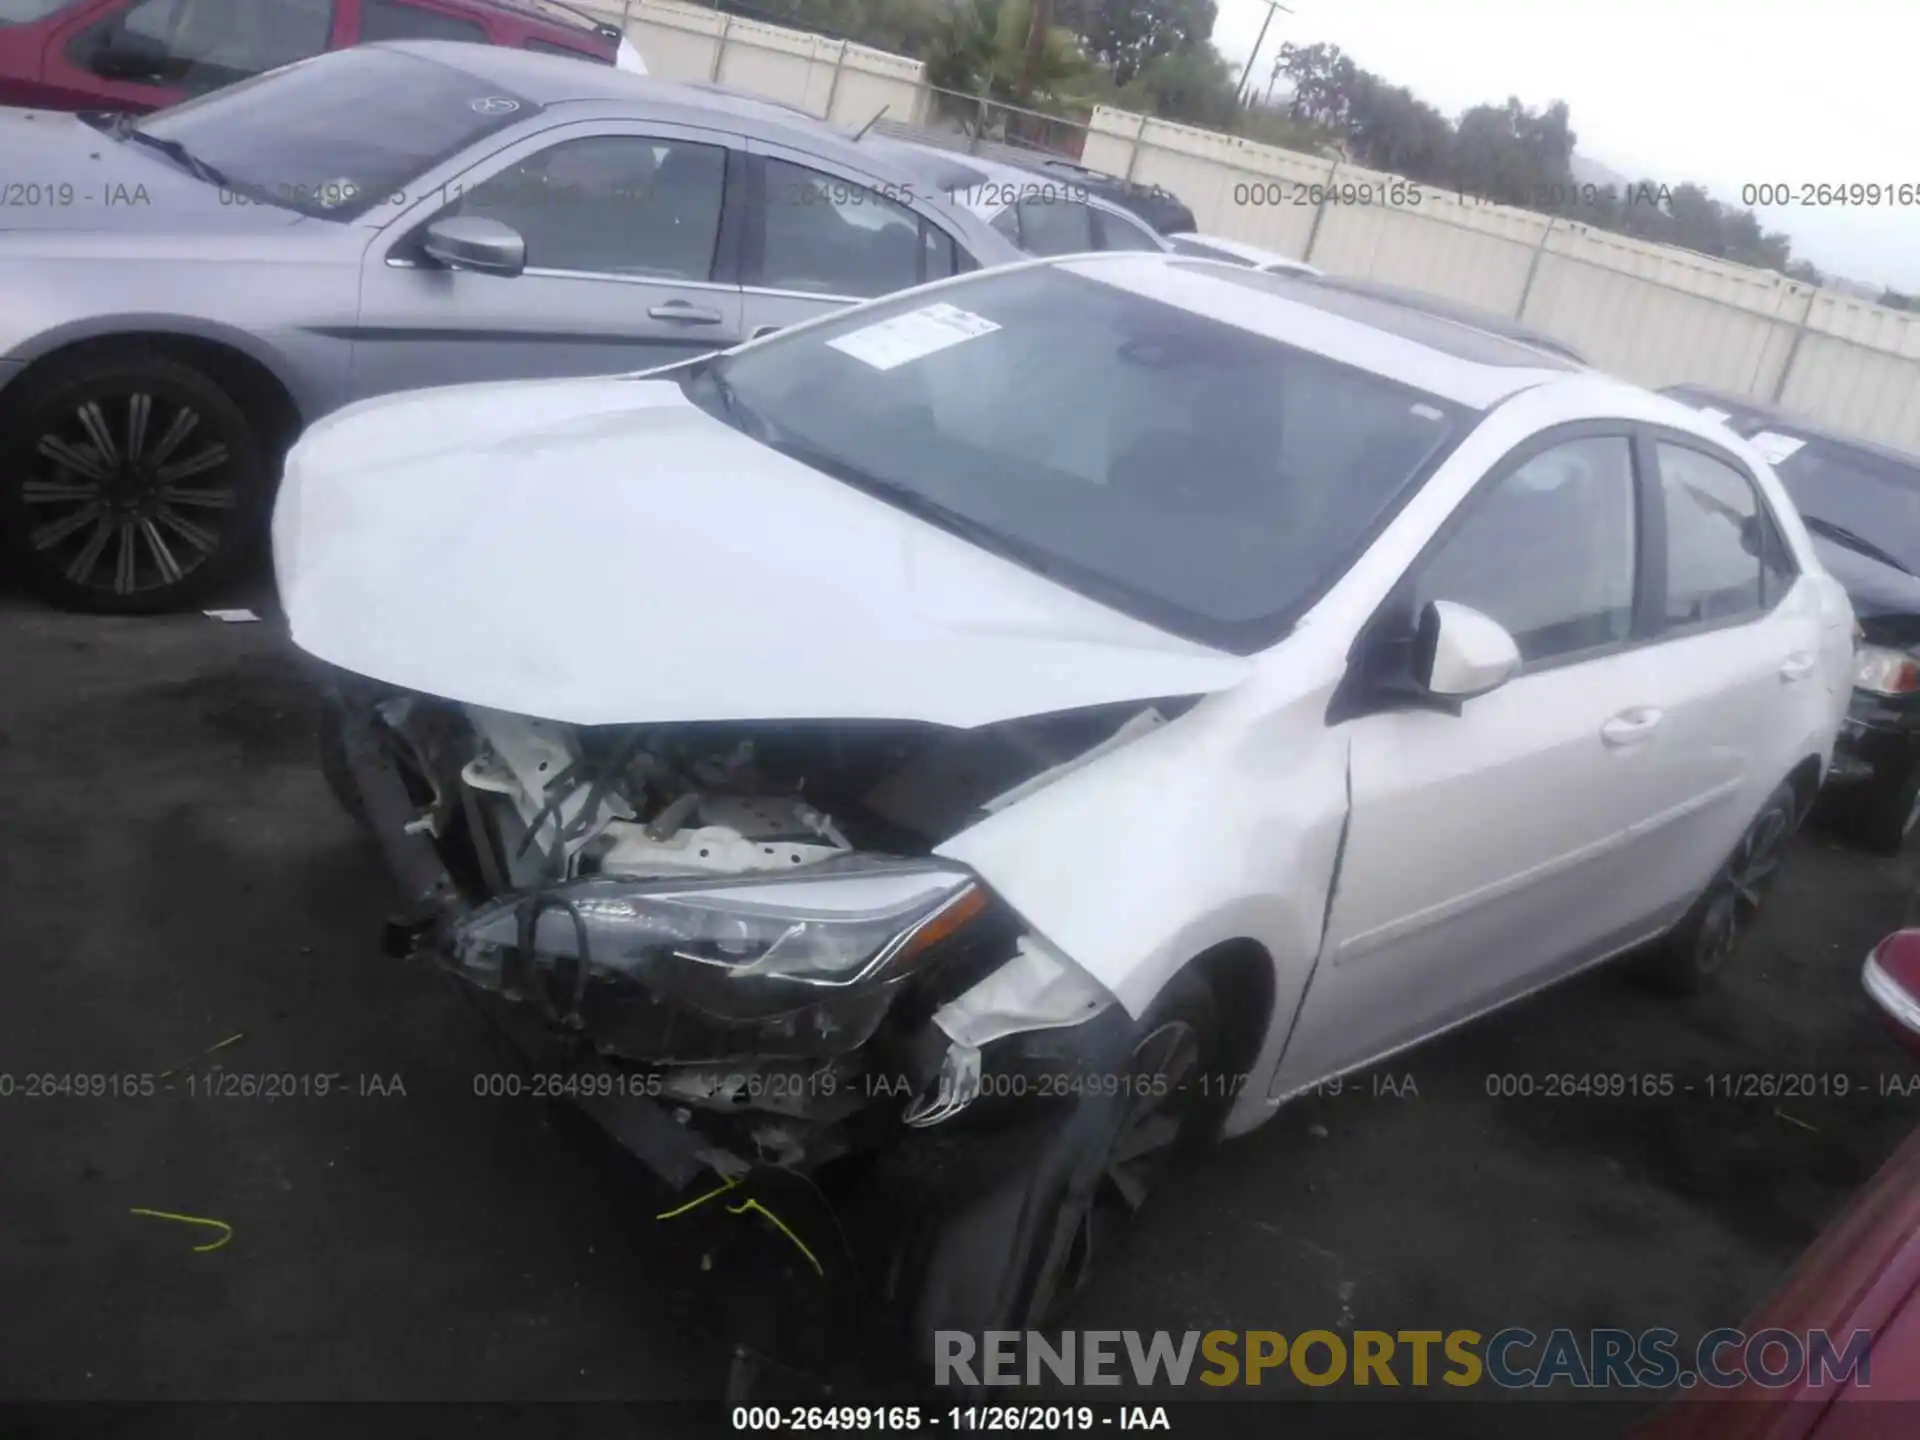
[740, 926]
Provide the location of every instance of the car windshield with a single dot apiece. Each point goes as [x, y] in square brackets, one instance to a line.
[338, 134]
[1870, 495]
[1197, 475]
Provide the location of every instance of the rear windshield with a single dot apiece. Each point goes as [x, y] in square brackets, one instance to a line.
[338, 134]
[1196, 475]
[1869, 495]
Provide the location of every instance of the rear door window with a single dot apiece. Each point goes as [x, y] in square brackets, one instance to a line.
[397, 20]
[1716, 536]
[202, 45]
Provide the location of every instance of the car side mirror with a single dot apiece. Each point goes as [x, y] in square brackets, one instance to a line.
[474, 242]
[1892, 978]
[1458, 653]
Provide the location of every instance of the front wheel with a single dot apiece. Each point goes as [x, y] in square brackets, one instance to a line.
[1160, 1117]
[1699, 947]
[128, 483]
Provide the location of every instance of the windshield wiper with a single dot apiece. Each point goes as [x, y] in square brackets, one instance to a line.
[1853, 542]
[126, 126]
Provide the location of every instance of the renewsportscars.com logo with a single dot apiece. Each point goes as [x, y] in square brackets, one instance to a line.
[1512, 1359]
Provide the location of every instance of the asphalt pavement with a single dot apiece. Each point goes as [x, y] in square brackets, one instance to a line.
[180, 893]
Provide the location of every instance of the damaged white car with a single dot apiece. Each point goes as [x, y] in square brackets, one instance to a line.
[961, 747]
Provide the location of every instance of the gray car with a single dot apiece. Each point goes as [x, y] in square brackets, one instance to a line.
[181, 295]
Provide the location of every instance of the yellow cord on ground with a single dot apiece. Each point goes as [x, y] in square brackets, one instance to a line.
[749, 1204]
[745, 1205]
[722, 1189]
[226, 1230]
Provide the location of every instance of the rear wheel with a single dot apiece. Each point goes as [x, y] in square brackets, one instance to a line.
[1699, 947]
[128, 483]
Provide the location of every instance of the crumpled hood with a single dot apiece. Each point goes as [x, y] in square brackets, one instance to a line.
[117, 186]
[603, 551]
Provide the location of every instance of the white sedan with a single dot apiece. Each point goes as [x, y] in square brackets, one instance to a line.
[957, 748]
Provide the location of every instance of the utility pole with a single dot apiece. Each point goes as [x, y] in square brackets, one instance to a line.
[1272, 5]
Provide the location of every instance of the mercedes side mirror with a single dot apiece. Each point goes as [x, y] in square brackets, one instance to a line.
[473, 242]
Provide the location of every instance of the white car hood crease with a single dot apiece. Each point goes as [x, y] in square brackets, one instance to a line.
[604, 552]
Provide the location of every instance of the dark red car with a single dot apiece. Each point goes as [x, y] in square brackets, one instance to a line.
[1863, 1273]
[139, 55]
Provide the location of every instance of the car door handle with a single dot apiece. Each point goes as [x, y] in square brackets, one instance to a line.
[1798, 667]
[1630, 727]
[686, 312]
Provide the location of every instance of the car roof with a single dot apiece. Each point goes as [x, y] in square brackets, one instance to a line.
[553, 14]
[1760, 414]
[1484, 320]
[959, 175]
[1252, 254]
[557, 79]
[1456, 362]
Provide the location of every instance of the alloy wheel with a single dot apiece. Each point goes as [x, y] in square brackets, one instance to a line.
[1742, 885]
[128, 492]
[1151, 1127]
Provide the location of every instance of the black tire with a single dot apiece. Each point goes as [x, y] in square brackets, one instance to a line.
[1171, 1043]
[333, 762]
[1880, 814]
[1696, 951]
[129, 483]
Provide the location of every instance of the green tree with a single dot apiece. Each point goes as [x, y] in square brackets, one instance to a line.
[983, 46]
[1128, 35]
[1196, 86]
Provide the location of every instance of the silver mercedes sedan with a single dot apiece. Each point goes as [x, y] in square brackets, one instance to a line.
[181, 294]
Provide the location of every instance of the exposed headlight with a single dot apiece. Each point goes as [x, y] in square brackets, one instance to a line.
[737, 951]
[1885, 671]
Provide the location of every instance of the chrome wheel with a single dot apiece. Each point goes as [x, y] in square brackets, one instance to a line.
[127, 492]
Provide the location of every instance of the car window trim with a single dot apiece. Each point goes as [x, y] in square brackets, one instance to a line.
[1395, 610]
[1085, 202]
[1102, 213]
[753, 241]
[1658, 435]
[403, 231]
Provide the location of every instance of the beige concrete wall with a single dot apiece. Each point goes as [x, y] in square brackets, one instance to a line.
[829, 78]
[1652, 313]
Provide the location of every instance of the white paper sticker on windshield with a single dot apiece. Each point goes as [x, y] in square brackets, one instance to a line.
[912, 336]
[1773, 447]
[1712, 414]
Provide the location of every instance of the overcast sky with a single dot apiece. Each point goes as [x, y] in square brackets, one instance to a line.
[1721, 92]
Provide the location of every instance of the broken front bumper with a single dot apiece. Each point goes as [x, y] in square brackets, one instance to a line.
[968, 1109]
